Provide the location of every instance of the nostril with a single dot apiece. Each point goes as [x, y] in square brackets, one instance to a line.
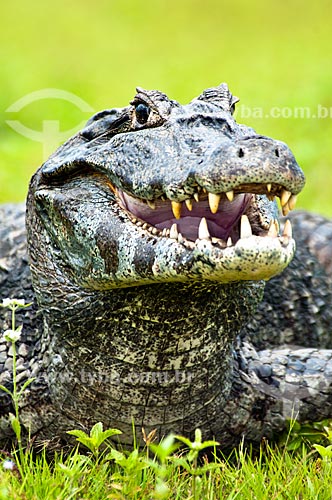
[240, 153]
[276, 152]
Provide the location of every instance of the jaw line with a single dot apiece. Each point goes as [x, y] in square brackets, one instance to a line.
[251, 259]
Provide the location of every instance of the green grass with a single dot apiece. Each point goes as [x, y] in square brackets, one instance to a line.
[161, 473]
[271, 55]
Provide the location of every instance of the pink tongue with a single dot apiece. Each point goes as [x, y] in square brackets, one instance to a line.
[219, 224]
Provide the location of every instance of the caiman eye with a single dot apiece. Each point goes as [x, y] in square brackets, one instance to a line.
[142, 113]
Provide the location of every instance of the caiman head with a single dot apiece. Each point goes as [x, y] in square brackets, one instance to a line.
[159, 192]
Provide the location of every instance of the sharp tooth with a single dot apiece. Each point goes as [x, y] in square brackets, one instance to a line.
[285, 209]
[165, 231]
[269, 187]
[203, 231]
[214, 200]
[176, 209]
[245, 231]
[189, 204]
[196, 196]
[271, 197]
[284, 197]
[229, 242]
[230, 195]
[151, 204]
[287, 229]
[180, 238]
[292, 202]
[273, 229]
[174, 232]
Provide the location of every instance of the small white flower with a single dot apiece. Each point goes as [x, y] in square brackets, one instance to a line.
[6, 302]
[13, 335]
[8, 464]
[14, 303]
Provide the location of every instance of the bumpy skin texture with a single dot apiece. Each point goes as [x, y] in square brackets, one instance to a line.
[130, 319]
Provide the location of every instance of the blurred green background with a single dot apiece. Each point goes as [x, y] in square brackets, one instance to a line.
[275, 55]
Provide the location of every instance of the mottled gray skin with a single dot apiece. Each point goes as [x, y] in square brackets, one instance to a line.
[130, 324]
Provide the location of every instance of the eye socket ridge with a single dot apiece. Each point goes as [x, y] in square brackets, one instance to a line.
[142, 112]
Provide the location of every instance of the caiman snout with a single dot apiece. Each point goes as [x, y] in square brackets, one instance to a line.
[254, 160]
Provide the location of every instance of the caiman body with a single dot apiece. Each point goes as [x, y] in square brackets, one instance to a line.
[151, 236]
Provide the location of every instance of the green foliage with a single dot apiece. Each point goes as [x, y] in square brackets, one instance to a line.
[13, 335]
[324, 451]
[298, 435]
[162, 465]
[96, 438]
[171, 474]
[190, 461]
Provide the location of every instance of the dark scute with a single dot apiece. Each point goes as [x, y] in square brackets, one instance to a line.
[108, 249]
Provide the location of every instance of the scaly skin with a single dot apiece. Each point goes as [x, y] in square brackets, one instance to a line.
[135, 320]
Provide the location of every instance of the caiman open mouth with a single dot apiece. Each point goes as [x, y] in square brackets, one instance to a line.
[221, 218]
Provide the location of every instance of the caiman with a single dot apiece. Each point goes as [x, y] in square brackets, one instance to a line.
[165, 286]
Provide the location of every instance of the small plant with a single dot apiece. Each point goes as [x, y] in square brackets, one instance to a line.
[167, 462]
[128, 477]
[96, 438]
[298, 435]
[163, 452]
[326, 451]
[13, 335]
[190, 461]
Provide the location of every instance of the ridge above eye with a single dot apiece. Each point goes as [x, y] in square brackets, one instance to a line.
[142, 112]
